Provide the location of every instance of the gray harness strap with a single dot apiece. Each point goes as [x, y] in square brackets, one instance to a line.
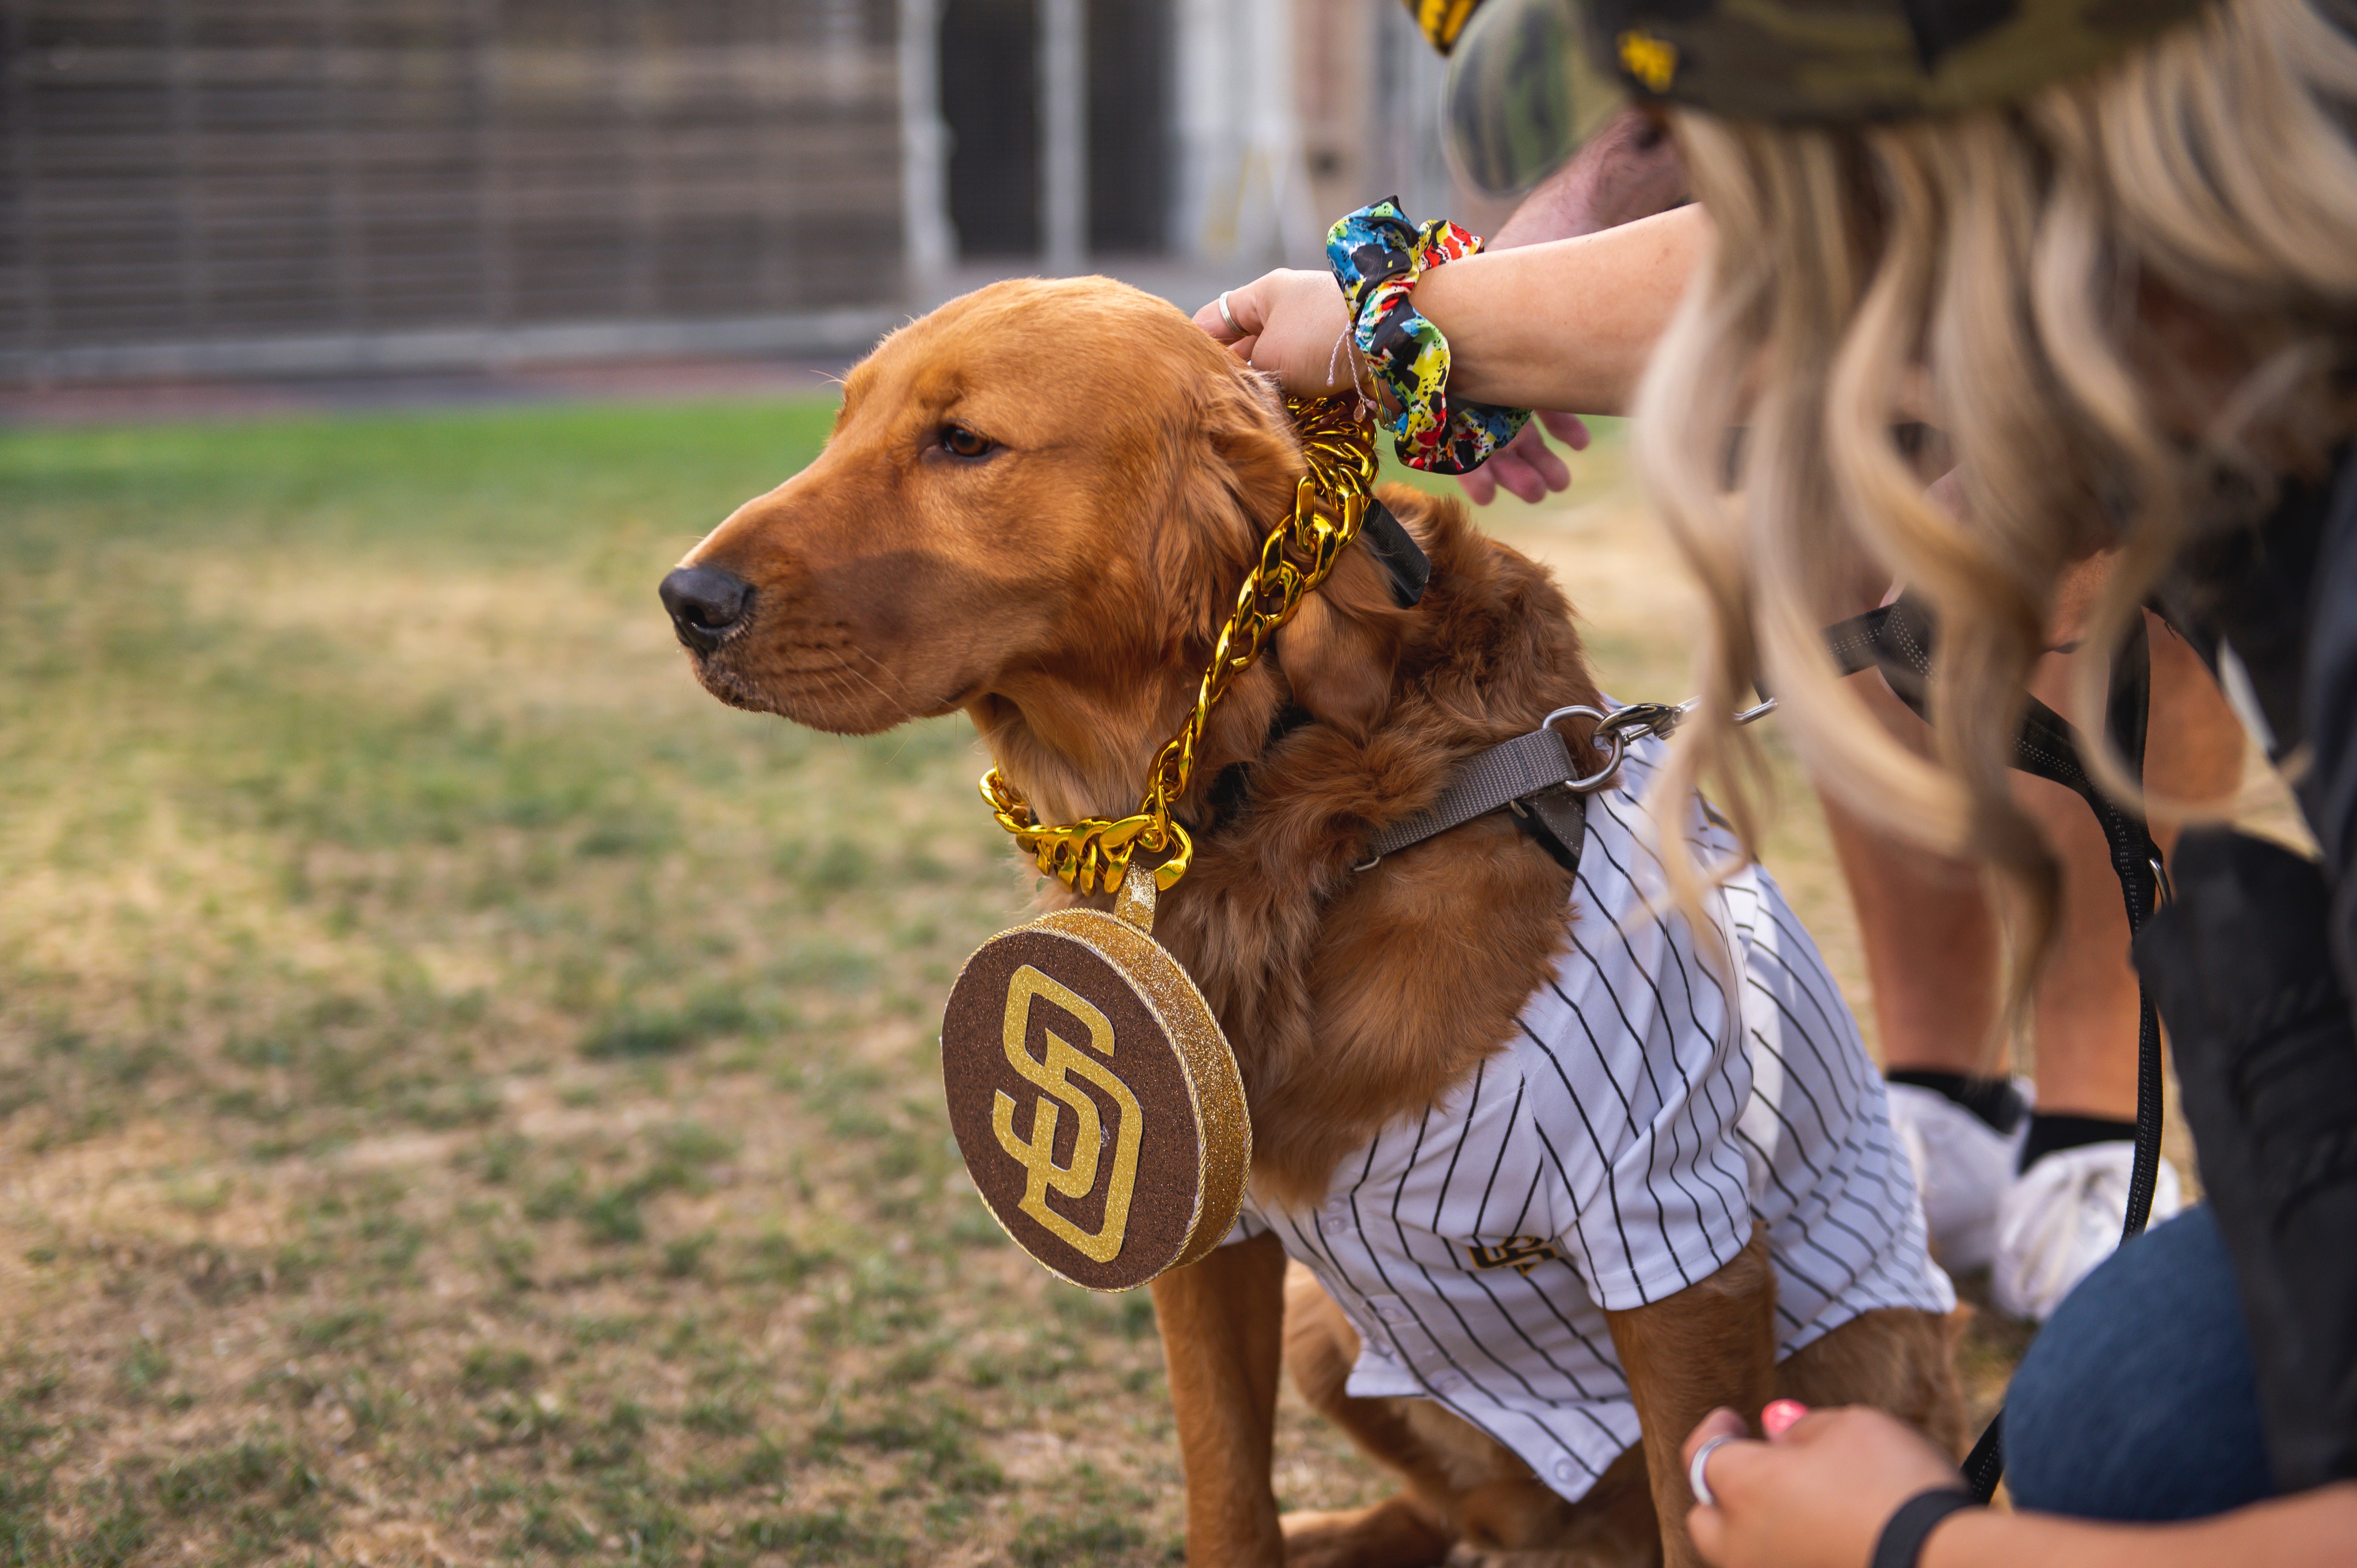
[1528, 774]
[1533, 777]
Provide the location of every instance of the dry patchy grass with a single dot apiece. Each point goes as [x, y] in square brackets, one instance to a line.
[468, 1096]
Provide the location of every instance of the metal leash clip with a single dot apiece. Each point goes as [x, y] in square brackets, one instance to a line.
[1633, 722]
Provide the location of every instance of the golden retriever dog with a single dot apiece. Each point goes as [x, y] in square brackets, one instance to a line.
[1036, 507]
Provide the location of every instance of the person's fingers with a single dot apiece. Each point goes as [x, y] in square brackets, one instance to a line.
[1736, 1468]
[1240, 344]
[1818, 1494]
[1209, 319]
[1720, 1422]
[1706, 1528]
[1526, 468]
[1802, 1429]
[1550, 470]
[1246, 305]
[1568, 428]
[1290, 325]
[1518, 479]
[1779, 1415]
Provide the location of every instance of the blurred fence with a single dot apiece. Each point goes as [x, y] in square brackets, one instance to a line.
[231, 188]
[238, 186]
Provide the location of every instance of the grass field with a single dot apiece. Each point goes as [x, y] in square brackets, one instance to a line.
[470, 1097]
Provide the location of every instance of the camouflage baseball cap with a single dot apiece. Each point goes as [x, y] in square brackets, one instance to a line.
[1441, 20]
[1523, 92]
[1529, 78]
[1828, 62]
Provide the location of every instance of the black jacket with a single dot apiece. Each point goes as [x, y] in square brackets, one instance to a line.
[2254, 966]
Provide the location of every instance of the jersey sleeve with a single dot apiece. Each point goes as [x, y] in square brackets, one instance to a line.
[1648, 1081]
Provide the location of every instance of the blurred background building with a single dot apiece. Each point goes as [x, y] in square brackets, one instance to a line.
[239, 188]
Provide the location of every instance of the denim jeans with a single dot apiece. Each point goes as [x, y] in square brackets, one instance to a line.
[2137, 1401]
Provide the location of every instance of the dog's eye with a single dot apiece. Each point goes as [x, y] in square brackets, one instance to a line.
[960, 442]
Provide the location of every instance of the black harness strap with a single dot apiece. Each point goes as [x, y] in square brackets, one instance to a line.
[1897, 640]
[1402, 559]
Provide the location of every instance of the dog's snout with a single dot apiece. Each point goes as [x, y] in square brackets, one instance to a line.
[704, 602]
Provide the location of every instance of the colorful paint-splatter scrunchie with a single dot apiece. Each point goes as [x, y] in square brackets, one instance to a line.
[1377, 256]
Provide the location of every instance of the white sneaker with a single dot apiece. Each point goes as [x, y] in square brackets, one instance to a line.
[1962, 1166]
[2061, 1218]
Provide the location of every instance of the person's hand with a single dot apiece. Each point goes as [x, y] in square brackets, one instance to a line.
[1815, 1495]
[1291, 324]
[1526, 467]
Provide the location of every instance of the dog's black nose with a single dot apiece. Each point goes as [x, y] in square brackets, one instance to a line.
[704, 602]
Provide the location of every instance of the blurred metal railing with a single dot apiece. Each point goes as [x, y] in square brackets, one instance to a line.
[226, 186]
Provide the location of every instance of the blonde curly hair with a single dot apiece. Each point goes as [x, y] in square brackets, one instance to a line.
[2059, 286]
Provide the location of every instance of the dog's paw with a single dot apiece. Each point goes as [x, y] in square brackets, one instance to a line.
[1466, 1555]
[1392, 1535]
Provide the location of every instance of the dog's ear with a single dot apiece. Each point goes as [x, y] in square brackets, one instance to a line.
[1229, 461]
[1250, 436]
[1342, 648]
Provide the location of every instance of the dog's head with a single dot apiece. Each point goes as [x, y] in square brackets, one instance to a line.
[1036, 503]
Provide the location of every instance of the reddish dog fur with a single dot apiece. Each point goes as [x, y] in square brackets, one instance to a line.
[1062, 588]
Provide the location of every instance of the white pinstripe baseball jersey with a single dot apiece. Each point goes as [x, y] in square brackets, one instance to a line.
[1615, 1150]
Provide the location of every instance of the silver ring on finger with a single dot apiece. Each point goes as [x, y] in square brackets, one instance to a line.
[1696, 1481]
[1229, 316]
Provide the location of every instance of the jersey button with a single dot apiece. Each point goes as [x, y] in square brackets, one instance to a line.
[1447, 1383]
[1333, 1225]
[1564, 1470]
[1389, 1308]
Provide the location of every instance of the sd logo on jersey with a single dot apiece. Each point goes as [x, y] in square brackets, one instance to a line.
[1094, 1099]
[1520, 1253]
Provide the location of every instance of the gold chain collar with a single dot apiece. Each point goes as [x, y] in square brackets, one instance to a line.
[1329, 501]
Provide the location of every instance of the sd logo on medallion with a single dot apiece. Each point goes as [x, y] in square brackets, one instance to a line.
[1096, 1104]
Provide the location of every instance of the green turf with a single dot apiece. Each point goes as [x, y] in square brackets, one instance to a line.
[478, 1089]
[468, 1096]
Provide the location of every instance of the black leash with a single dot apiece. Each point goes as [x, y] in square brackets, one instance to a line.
[1897, 640]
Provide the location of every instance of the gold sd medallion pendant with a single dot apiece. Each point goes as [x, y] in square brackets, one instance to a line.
[1094, 1099]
